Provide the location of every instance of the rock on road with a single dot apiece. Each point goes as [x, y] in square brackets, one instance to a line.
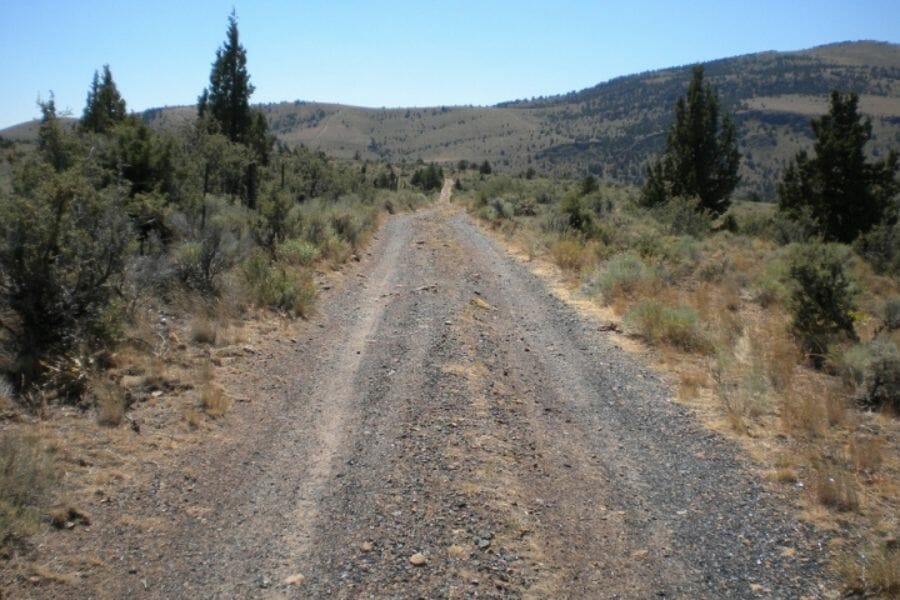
[446, 428]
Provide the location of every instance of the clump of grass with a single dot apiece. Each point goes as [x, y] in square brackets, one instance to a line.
[864, 453]
[811, 408]
[874, 572]
[776, 352]
[659, 323]
[690, 381]
[213, 398]
[110, 401]
[835, 487]
[26, 483]
[204, 331]
[785, 469]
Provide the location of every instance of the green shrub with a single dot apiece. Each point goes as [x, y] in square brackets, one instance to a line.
[620, 275]
[336, 250]
[880, 247]
[487, 213]
[503, 207]
[274, 285]
[874, 370]
[890, 315]
[822, 297]
[656, 323]
[297, 252]
[63, 249]
[199, 264]
[26, 483]
[684, 216]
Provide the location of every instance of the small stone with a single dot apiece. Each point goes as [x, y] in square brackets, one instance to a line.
[294, 579]
[367, 546]
[484, 544]
[418, 559]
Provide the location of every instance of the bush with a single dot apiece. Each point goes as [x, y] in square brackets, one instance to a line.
[822, 297]
[63, 249]
[569, 254]
[890, 315]
[656, 322]
[297, 252]
[26, 481]
[200, 264]
[880, 247]
[621, 275]
[874, 371]
[273, 285]
[684, 216]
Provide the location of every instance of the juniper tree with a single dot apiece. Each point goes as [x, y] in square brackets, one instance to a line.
[701, 157]
[226, 102]
[843, 193]
[105, 107]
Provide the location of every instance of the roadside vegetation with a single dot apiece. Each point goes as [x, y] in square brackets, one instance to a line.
[128, 254]
[779, 322]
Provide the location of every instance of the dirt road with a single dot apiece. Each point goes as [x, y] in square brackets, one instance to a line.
[444, 404]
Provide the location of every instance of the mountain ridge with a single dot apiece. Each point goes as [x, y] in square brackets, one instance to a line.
[610, 129]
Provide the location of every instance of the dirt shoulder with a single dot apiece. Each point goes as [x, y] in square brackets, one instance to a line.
[445, 427]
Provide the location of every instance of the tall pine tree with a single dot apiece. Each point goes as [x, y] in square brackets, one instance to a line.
[226, 101]
[701, 157]
[105, 107]
[844, 194]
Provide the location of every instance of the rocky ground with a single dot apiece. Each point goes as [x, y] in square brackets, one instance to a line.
[445, 428]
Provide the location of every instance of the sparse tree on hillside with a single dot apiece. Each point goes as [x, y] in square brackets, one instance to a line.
[105, 107]
[485, 168]
[844, 194]
[701, 157]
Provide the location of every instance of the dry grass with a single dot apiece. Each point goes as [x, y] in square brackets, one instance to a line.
[27, 478]
[204, 331]
[785, 469]
[109, 399]
[834, 486]
[571, 255]
[874, 572]
[213, 398]
[865, 453]
[690, 381]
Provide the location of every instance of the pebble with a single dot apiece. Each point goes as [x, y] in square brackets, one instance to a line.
[418, 559]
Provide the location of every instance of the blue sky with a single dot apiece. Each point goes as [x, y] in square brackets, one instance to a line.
[395, 53]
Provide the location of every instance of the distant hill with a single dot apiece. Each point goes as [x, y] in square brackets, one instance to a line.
[613, 128]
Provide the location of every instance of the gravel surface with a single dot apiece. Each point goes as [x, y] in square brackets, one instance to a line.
[447, 428]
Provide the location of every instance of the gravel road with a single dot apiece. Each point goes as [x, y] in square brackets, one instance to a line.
[445, 409]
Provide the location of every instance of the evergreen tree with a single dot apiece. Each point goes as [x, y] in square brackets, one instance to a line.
[485, 168]
[839, 189]
[105, 107]
[226, 102]
[54, 143]
[701, 157]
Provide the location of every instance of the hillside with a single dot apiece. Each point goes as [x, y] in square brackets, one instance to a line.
[610, 129]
